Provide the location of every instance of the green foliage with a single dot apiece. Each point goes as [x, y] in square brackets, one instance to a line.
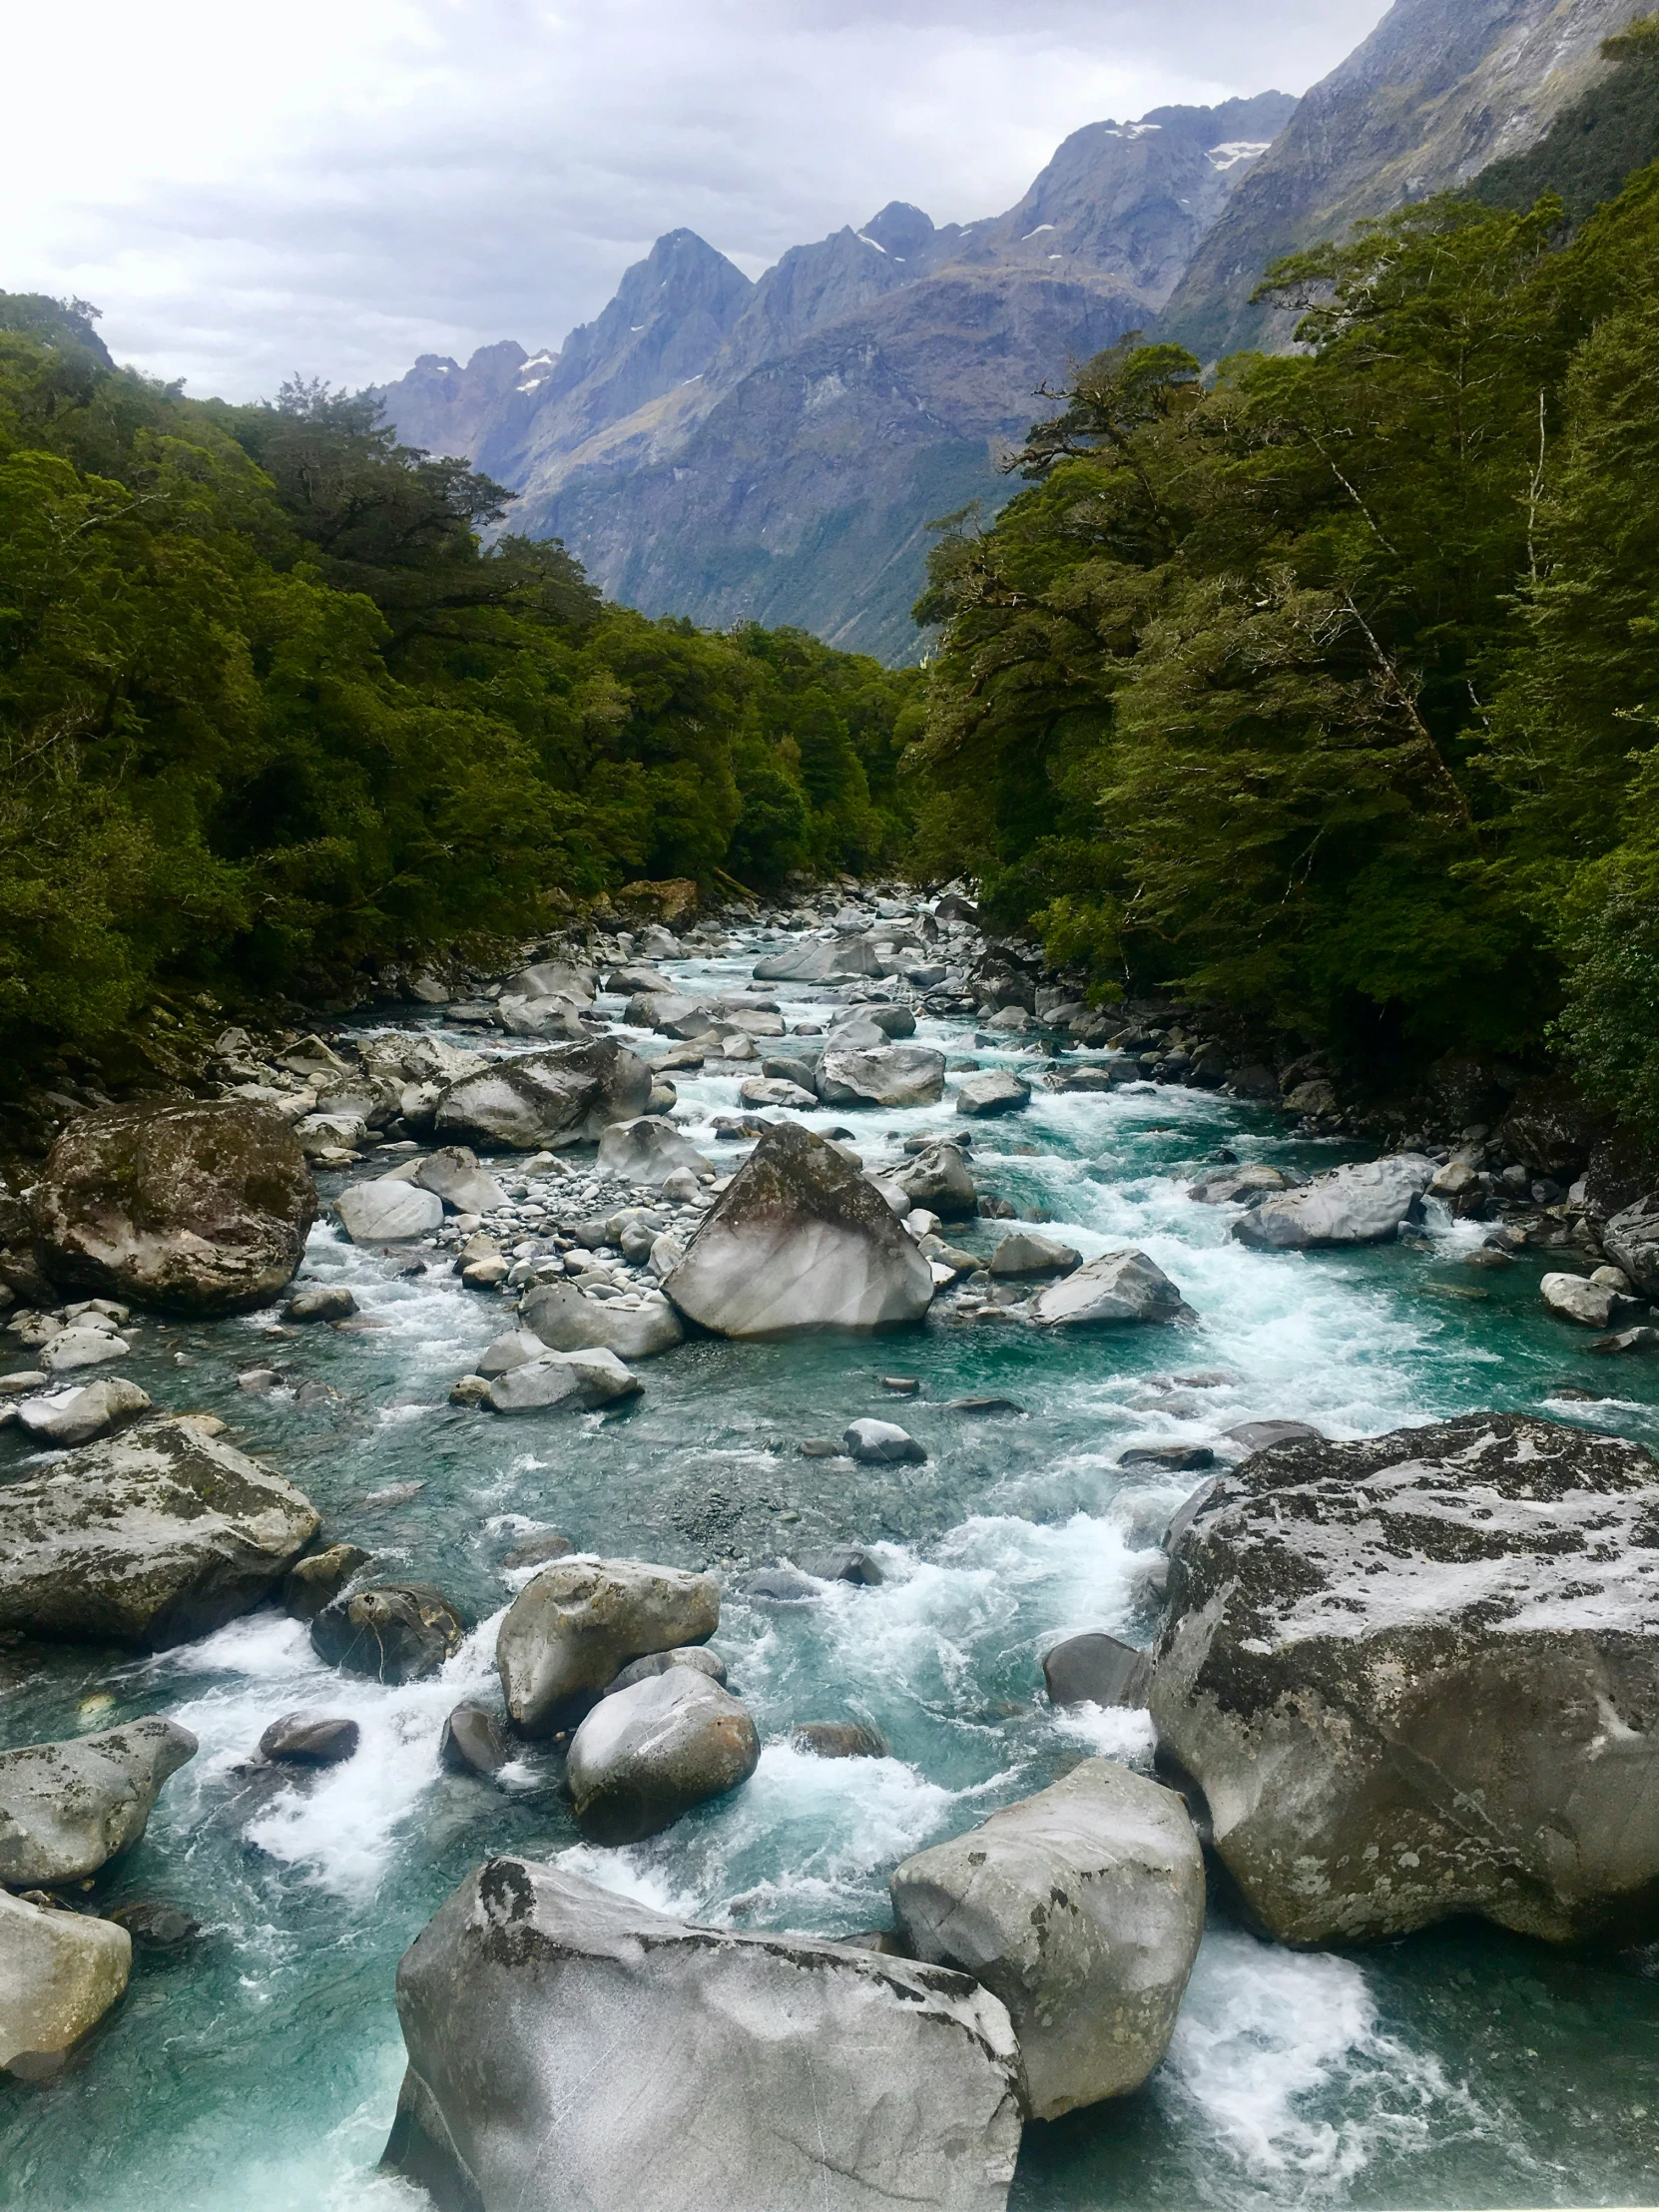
[1324, 693]
[270, 708]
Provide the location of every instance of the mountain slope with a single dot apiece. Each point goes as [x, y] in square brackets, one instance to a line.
[1441, 90]
[1594, 145]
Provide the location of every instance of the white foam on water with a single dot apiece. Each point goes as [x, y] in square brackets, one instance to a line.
[341, 1829]
[1123, 1732]
[1266, 2034]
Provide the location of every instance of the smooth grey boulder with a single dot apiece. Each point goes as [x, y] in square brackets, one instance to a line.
[777, 1091]
[573, 1382]
[82, 1348]
[1576, 1298]
[696, 1656]
[1358, 1205]
[1631, 1239]
[1416, 1677]
[392, 1631]
[747, 2073]
[310, 1740]
[68, 1808]
[939, 1179]
[508, 1350]
[552, 979]
[77, 1415]
[150, 1539]
[632, 982]
[472, 1741]
[894, 1075]
[570, 1630]
[799, 1240]
[59, 1974]
[198, 1209]
[649, 1150]
[996, 1092]
[1228, 1186]
[388, 1210]
[817, 962]
[563, 1319]
[647, 1754]
[551, 1015]
[1096, 1669]
[1081, 1908]
[452, 1173]
[1118, 1287]
[548, 1100]
[1102, 1075]
[318, 1301]
[881, 1443]
[1024, 1254]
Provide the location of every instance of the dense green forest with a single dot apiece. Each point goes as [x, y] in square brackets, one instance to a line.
[271, 708]
[1326, 691]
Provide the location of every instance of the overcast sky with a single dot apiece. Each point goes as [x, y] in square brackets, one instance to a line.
[336, 186]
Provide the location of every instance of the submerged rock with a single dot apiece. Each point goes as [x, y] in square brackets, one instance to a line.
[1363, 1204]
[751, 2073]
[199, 1209]
[1081, 1908]
[59, 1974]
[1118, 1287]
[568, 1096]
[840, 1739]
[562, 1319]
[68, 1808]
[1399, 1670]
[649, 1753]
[799, 1240]
[152, 1538]
[392, 1631]
[567, 1633]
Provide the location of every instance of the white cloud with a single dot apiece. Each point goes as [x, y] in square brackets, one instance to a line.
[338, 187]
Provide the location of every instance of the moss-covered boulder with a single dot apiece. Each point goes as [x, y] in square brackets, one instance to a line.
[198, 1209]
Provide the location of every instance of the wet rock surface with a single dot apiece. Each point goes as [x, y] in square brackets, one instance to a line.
[648, 1753]
[392, 1631]
[569, 1632]
[68, 1808]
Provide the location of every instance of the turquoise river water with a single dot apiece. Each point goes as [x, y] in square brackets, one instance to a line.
[256, 2072]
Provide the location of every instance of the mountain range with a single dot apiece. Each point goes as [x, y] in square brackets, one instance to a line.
[776, 450]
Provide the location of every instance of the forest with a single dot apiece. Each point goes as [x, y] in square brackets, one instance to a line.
[1325, 689]
[281, 699]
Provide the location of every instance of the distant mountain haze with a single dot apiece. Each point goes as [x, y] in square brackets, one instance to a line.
[776, 450]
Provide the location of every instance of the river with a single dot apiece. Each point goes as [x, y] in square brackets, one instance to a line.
[256, 2071]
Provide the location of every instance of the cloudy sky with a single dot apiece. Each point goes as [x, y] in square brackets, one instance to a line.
[336, 186]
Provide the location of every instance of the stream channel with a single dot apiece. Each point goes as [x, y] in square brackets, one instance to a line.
[257, 2070]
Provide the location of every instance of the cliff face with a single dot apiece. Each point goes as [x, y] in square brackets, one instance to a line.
[1440, 90]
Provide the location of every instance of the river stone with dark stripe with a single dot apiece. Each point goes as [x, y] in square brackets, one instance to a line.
[1419, 1676]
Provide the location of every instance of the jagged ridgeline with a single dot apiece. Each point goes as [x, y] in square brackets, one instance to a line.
[1324, 690]
[270, 712]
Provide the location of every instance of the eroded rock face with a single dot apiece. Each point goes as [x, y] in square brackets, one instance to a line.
[1363, 1204]
[59, 1974]
[1081, 1908]
[1419, 1676]
[199, 1209]
[68, 1808]
[150, 1539]
[799, 1240]
[746, 2072]
[649, 1752]
[548, 1099]
[569, 1632]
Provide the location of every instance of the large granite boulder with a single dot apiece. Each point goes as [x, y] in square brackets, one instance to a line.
[1081, 1908]
[817, 962]
[649, 1150]
[568, 1633]
[67, 1808]
[998, 1091]
[939, 1179]
[1419, 1676]
[453, 1174]
[649, 1752]
[76, 1417]
[198, 1209]
[568, 2046]
[563, 1319]
[150, 1539]
[1358, 1205]
[799, 1240]
[548, 1100]
[563, 1382]
[59, 1974]
[1632, 1241]
[388, 1210]
[1118, 1287]
[889, 1075]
